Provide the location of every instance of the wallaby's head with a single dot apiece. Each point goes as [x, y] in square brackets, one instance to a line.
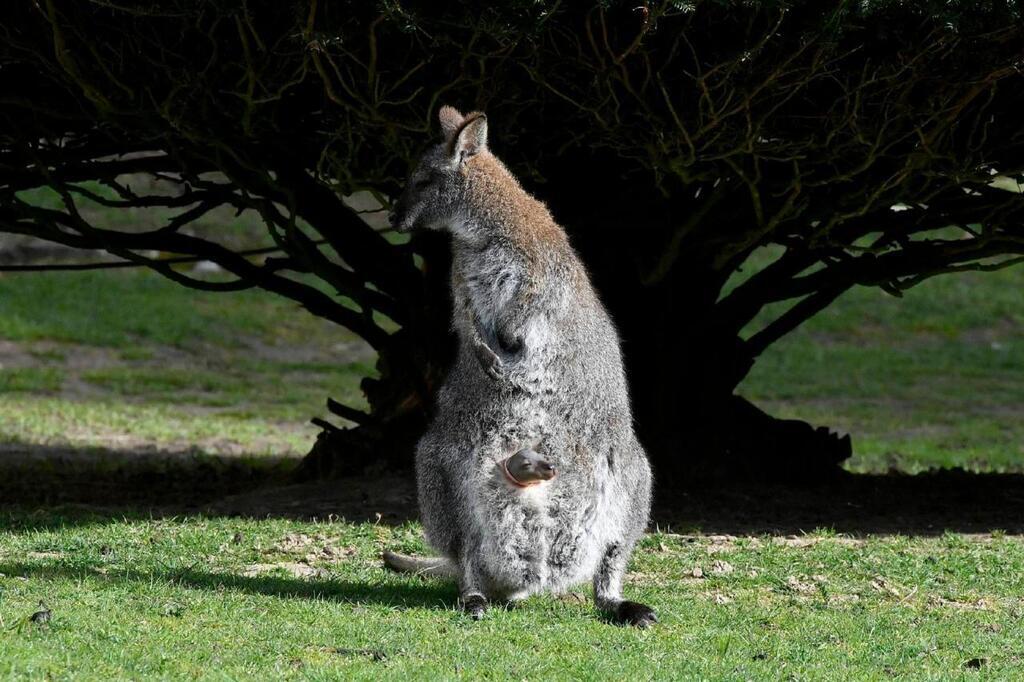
[435, 195]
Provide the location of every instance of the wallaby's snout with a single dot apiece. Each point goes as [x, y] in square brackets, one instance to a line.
[400, 217]
[527, 467]
[543, 471]
[396, 218]
[414, 206]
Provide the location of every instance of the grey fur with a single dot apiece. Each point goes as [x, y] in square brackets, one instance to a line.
[538, 363]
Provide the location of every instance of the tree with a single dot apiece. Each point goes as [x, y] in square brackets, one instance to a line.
[674, 139]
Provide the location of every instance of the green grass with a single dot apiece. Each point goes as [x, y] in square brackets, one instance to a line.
[932, 380]
[29, 380]
[257, 407]
[226, 598]
[124, 359]
[121, 308]
[125, 425]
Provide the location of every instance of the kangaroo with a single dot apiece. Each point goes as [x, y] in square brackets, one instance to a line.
[538, 362]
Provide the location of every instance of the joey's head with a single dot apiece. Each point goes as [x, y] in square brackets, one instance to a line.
[527, 468]
[436, 193]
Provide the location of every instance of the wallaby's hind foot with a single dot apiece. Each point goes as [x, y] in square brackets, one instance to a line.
[635, 614]
[608, 591]
[475, 606]
[434, 567]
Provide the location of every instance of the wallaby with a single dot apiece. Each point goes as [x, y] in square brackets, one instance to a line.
[538, 362]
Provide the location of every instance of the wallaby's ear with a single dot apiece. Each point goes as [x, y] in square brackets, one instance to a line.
[451, 120]
[471, 138]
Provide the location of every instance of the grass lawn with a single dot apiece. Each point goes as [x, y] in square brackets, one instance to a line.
[234, 599]
[96, 364]
[122, 359]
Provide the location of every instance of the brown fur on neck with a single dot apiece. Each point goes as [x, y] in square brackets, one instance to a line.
[496, 197]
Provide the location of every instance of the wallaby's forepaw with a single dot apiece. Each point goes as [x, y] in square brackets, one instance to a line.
[475, 606]
[635, 614]
[490, 361]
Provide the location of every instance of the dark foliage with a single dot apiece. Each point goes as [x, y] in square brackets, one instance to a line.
[673, 139]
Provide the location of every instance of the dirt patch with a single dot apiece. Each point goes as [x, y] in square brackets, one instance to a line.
[313, 549]
[980, 604]
[72, 359]
[297, 570]
[14, 355]
[800, 541]
[997, 336]
[353, 350]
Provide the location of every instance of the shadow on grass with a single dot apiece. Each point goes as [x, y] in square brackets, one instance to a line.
[62, 486]
[933, 503]
[426, 594]
[47, 475]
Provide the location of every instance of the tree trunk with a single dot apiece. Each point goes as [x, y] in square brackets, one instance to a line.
[683, 379]
[411, 369]
[684, 361]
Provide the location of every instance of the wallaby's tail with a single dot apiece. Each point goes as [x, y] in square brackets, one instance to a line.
[435, 567]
